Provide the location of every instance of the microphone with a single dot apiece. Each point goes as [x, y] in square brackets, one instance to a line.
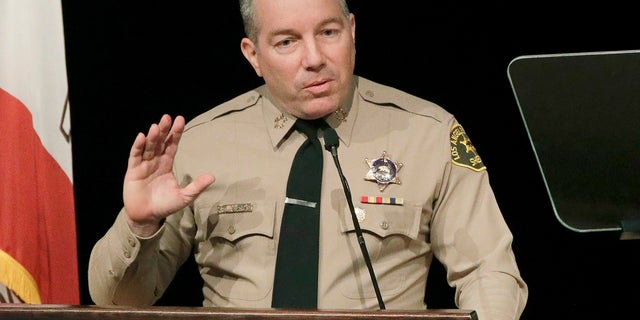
[331, 143]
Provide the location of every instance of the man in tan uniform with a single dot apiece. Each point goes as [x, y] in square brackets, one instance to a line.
[418, 186]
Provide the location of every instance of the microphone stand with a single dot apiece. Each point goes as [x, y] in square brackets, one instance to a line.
[347, 192]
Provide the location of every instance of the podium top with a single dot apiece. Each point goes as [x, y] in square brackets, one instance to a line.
[582, 115]
[89, 312]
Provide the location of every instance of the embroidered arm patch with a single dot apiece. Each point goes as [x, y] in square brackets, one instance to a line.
[463, 153]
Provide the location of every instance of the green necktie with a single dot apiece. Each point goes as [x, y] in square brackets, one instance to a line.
[296, 276]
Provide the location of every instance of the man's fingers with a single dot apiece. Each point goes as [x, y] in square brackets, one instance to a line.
[161, 137]
[165, 123]
[193, 189]
[135, 154]
[151, 143]
[178, 124]
[172, 140]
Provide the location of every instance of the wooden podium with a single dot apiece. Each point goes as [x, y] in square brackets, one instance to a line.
[90, 312]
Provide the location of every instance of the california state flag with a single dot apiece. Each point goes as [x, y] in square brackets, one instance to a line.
[38, 251]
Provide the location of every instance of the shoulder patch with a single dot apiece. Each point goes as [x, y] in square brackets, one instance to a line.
[463, 153]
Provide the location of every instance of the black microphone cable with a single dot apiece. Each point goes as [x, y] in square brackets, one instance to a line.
[331, 143]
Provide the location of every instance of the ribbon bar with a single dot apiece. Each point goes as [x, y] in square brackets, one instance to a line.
[382, 200]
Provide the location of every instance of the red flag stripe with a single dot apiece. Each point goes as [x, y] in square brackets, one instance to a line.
[36, 208]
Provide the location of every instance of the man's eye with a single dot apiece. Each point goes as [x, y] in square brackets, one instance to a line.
[329, 32]
[284, 43]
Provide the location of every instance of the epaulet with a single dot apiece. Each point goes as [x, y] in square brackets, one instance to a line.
[238, 103]
[384, 95]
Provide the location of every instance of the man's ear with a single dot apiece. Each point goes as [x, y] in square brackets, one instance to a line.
[251, 54]
[352, 20]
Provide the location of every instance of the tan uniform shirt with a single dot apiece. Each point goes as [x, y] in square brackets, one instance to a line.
[439, 203]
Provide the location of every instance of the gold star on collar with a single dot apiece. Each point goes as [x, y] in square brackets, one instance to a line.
[279, 121]
[341, 114]
[383, 170]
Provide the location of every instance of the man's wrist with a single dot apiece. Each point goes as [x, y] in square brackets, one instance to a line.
[144, 230]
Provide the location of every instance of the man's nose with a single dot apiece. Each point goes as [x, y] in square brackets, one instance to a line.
[313, 55]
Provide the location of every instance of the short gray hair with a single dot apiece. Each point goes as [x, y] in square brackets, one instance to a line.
[248, 12]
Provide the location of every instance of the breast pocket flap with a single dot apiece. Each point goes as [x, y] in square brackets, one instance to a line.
[383, 219]
[255, 218]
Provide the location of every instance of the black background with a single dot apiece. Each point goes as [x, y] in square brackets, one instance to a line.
[129, 62]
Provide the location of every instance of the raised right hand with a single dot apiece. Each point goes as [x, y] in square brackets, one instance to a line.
[150, 191]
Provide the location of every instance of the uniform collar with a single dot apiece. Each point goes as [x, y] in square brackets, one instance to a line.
[279, 123]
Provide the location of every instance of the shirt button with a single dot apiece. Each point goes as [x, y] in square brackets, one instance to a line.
[127, 254]
[131, 242]
[231, 230]
[384, 225]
